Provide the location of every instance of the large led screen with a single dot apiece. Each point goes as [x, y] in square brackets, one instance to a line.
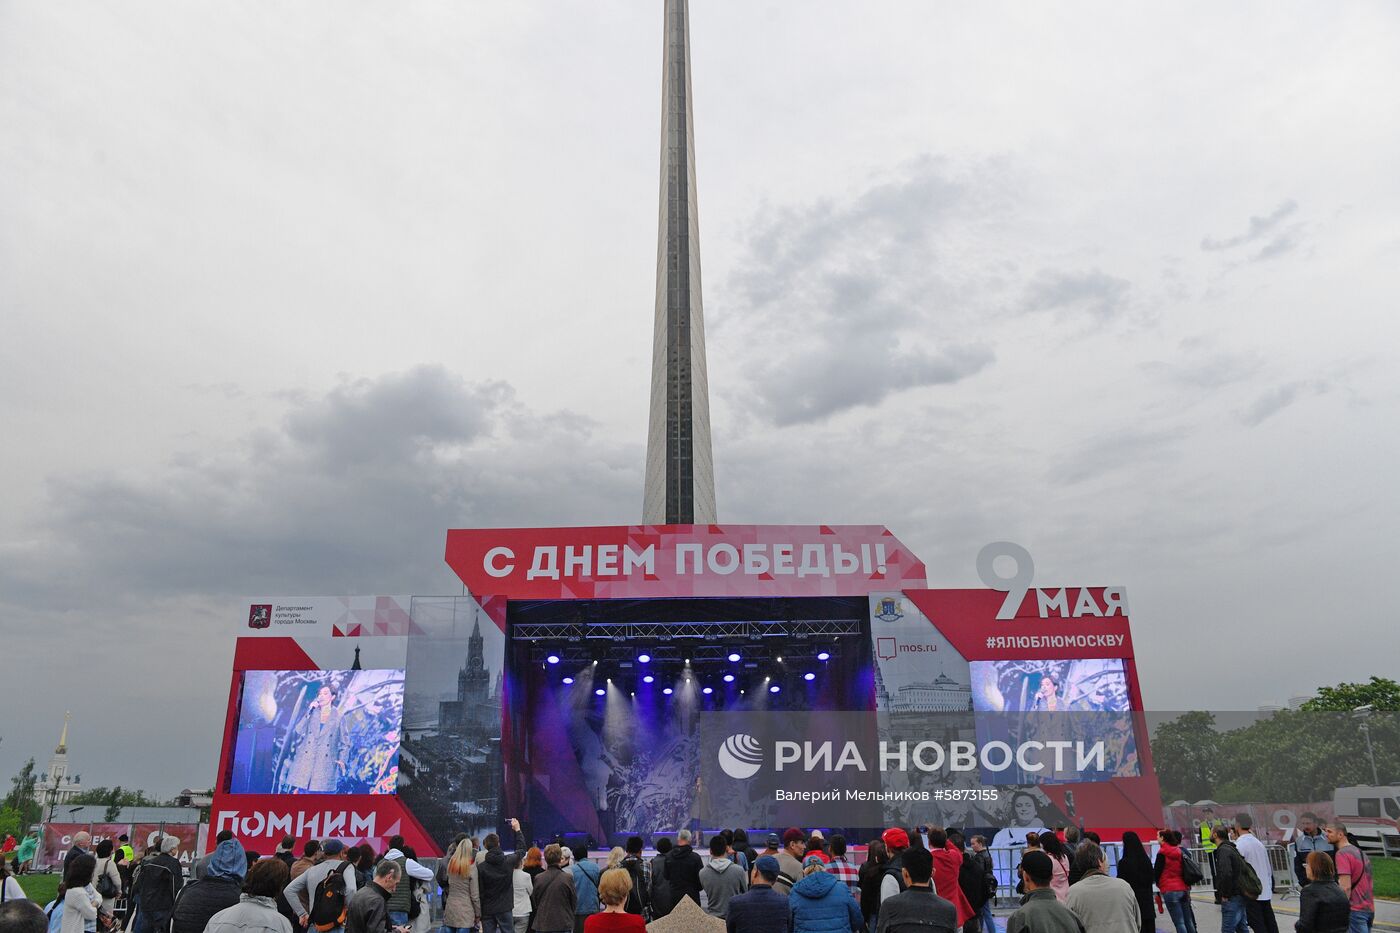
[1083, 702]
[318, 732]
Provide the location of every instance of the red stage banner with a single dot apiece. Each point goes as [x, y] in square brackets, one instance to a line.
[682, 560]
[261, 820]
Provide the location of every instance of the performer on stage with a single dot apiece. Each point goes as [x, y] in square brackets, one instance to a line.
[319, 760]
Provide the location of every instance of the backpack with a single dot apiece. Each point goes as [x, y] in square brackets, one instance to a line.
[104, 884]
[1249, 885]
[328, 902]
[637, 898]
[1191, 873]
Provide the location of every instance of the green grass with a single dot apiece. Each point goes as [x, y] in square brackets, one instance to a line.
[39, 888]
[1387, 877]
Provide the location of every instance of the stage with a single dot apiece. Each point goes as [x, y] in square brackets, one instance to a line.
[578, 685]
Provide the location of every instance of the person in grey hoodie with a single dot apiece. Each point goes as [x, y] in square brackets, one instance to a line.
[721, 879]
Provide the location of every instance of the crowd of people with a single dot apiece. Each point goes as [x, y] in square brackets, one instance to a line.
[932, 880]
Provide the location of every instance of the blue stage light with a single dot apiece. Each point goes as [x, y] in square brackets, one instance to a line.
[774, 689]
[600, 692]
[668, 691]
[729, 678]
[648, 679]
[553, 659]
[708, 690]
[823, 655]
[643, 658]
[809, 676]
[568, 680]
[733, 656]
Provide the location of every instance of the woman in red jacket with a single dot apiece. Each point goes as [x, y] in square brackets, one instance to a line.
[947, 864]
[1176, 893]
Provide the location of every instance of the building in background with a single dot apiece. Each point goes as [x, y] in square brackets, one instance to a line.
[56, 786]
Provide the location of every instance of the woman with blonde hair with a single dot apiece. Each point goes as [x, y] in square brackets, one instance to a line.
[615, 858]
[613, 889]
[461, 903]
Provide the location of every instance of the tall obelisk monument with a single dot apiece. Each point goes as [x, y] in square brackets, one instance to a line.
[680, 478]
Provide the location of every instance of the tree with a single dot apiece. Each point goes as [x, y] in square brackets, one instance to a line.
[21, 797]
[1186, 753]
[114, 799]
[1380, 693]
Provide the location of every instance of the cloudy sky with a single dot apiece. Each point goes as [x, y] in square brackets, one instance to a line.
[288, 290]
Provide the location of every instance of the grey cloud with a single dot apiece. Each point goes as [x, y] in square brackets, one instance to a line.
[830, 379]
[355, 488]
[862, 291]
[1284, 243]
[1094, 292]
[396, 415]
[1200, 364]
[1108, 452]
[1280, 397]
[1259, 227]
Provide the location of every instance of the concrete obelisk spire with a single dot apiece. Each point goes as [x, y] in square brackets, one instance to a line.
[680, 480]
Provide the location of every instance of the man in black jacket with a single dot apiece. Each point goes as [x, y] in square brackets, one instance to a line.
[157, 880]
[683, 866]
[221, 886]
[494, 878]
[1229, 866]
[368, 910]
[82, 845]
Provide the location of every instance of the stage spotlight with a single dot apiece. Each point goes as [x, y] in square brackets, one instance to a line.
[634, 693]
[668, 691]
[708, 690]
[809, 676]
[774, 689]
[553, 659]
[741, 691]
[648, 679]
[823, 655]
[609, 680]
[733, 656]
[643, 658]
[600, 692]
[595, 662]
[568, 680]
[780, 659]
[687, 660]
[729, 678]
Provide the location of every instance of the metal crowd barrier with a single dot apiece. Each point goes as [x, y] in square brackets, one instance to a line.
[1006, 858]
[1285, 883]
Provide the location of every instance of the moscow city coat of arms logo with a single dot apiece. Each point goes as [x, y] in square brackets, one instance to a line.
[889, 609]
[260, 616]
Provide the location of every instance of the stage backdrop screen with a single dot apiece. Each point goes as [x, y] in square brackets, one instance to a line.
[318, 732]
[1084, 701]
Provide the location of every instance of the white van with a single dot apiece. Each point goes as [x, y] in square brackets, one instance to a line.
[1371, 814]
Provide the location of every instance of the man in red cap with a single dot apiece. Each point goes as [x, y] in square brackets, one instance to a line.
[896, 841]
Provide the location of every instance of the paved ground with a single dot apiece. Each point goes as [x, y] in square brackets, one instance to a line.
[1285, 911]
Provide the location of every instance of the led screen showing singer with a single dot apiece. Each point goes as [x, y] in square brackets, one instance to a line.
[318, 732]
